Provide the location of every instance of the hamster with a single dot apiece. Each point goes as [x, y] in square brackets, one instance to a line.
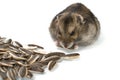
[75, 26]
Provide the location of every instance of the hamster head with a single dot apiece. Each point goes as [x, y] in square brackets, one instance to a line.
[68, 29]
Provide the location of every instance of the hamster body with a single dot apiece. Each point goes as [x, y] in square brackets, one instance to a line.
[74, 26]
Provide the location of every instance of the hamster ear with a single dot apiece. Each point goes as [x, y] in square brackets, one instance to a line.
[81, 19]
[58, 16]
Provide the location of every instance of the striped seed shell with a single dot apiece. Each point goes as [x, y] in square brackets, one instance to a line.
[3, 75]
[17, 68]
[51, 58]
[13, 48]
[36, 68]
[60, 54]
[16, 57]
[2, 39]
[5, 64]
[29, 75]
[23, 71]
[33, 58]
[25, 51]
[71, 56]
[3, 50]
[10, 74]
[9, 61]
[51, 65]
[6, 56]
[4, 45]
[21, 63]
[1, 53]
[37, 64]
[2, 69]
[8, 41]
[18, 44]
[15, 72]
[34, 45]
[47, 60]
[40, 58]
[15, 44]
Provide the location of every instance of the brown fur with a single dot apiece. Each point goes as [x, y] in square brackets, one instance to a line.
[75, 24]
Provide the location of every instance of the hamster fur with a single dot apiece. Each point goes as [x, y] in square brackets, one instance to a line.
[74, 26]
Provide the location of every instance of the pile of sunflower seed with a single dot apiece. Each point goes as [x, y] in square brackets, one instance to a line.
[19, 62]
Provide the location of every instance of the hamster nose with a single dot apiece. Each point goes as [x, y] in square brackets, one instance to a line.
[67, 45]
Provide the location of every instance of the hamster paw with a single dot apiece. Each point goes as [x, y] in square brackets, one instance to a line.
[57, 43]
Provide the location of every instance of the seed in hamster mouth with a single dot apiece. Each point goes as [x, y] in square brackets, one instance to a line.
[66, 46]
[16, 61]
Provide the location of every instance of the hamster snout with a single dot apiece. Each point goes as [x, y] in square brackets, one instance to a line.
[74, 26]
[66, 44]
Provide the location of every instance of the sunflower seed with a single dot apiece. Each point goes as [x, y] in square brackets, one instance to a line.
[3, 76]
[6, 56]
[3, 50]
[8, 41]
[36, 69]
[11, 75]
[2, 69]
[2, 53]
[16, 68]
[37, 64]
[15, 72]
[71, 56]
[16, 57]
[60, 54]
[13, 49]
[51, 58]
[17, 62]
[40, 58]
[47, 60]
[33, 58]
[21, 63]
[34, 45]
[9, 61]
[51, 65]
[29, 75]
[2, 39]
[4, 45]
[22, 72]
[25, 51]
[5, 64]
[18, 44]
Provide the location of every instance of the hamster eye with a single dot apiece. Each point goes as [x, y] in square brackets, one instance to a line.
[59, 33]
[72, 33]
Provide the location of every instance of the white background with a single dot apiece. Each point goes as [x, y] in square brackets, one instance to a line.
[27, 21]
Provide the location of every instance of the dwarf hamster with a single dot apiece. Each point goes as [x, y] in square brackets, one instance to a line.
[75, 26]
